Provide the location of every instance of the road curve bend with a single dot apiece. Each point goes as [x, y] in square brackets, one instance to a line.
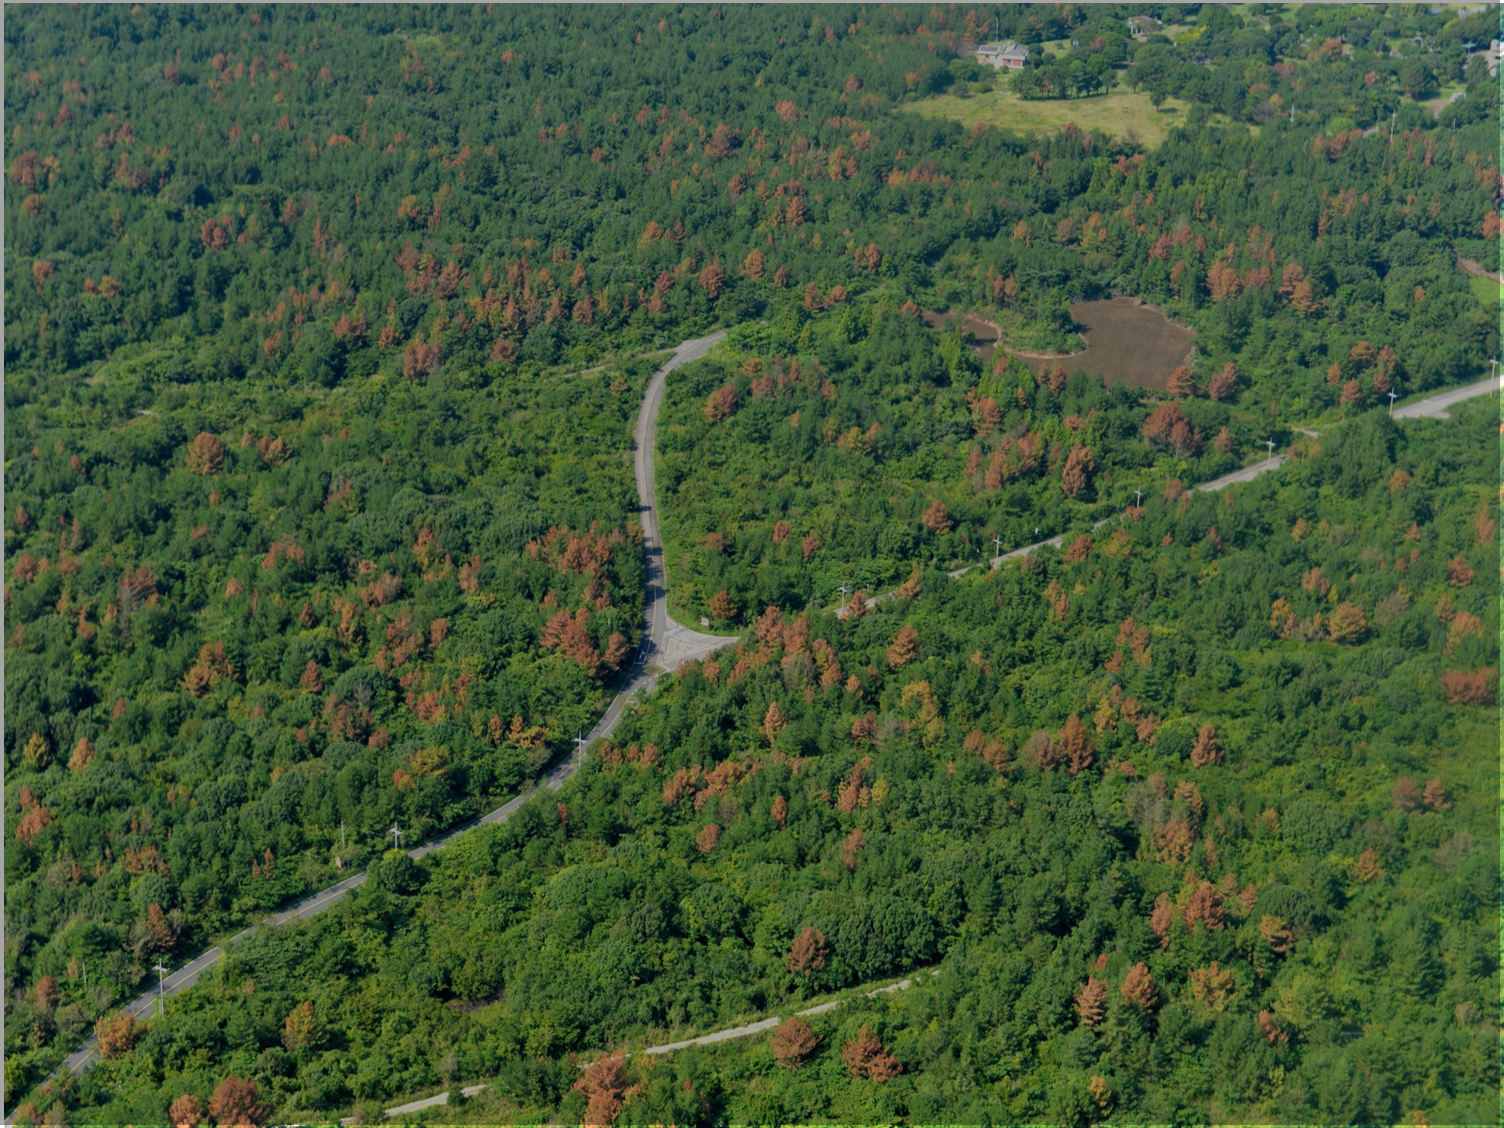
[665, 644]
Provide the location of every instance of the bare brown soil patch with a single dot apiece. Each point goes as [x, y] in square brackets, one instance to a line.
[1127, 341]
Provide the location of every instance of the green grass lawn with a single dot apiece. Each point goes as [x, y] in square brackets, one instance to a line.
[1489, 291]
[1122, 113]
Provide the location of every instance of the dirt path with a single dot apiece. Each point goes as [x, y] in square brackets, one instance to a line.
[1475, 268]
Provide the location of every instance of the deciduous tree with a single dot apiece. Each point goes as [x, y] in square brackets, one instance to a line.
[713, 279]
[722, 607]
[1091, 1001]
[808, 953]
[187, 1111]
[301, 1026]
[864, 1056]
[904, 648]
[206, 454]
[773, 721]
[1138, 988]
[792, 1043]
[722, 404]
[1224, 382]
[605, 1085]
[1212, 987]
[116, 1034]
[780, 812]
[1206, 751]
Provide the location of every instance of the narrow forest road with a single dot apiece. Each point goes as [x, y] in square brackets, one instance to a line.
[664, 645]
[1431, 407]
[726, 1035]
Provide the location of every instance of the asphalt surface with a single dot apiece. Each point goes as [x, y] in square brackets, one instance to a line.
[665, 644]
[668, 1048]
[1431, 407]
[1435, 407]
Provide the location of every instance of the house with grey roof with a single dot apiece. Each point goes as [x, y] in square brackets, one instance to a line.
[1002, 56]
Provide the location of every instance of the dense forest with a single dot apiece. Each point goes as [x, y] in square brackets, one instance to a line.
[887, 447]
[236, 663]
[1196, 820]
[326, 328]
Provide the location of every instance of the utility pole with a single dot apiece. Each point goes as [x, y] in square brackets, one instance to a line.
[843, 593]
[580, 743]
[1391, 403]
[1271, 451]
[1138, 496]
[161, 999]
[1393, 117]
[396, 837]
[341, 834]
[997, 543]
[85, 964]
[1495, 363]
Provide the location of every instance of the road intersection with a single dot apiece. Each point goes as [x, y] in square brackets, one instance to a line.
[665, 644]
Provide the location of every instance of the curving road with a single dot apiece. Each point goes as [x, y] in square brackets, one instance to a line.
[668, 1048]
[1430, 407]
[665, 644]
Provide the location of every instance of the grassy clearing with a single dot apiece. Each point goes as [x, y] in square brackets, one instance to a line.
[1489, 291]
[1122, 113]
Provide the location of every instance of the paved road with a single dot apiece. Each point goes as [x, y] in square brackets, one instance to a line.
[668, 1048]
[1435, 407]
[665, 644]
[1431, 407]
[672, 642]
[1247, 474]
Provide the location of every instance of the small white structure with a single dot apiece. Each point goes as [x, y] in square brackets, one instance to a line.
[1142, 26]
[1009, 56]
[1492, 54]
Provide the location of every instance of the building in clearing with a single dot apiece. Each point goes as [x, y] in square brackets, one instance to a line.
[1142, 26]
[1008, 56]
[1493, 54]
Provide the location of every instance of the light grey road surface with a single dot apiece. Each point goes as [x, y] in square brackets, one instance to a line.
[671, 642]
[1435, 406]
[665, 644]
[1431, 407]
[668, 1048]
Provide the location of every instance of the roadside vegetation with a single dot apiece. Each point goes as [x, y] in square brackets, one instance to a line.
[325, 333]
